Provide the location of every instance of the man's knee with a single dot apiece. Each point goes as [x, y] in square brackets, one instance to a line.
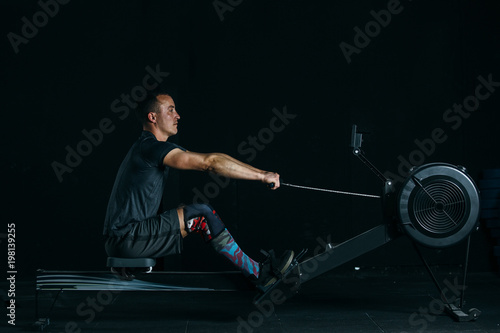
[204, 219]
[195, 210]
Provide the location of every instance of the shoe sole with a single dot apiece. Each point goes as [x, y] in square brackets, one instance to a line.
[282, 271]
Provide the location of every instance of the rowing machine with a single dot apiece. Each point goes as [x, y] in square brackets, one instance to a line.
[437, 206]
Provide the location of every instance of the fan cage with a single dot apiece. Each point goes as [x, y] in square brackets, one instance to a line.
[439, 208]
[438, 205]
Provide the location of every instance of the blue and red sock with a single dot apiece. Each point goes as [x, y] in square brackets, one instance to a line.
[224, 244]
[203, 219]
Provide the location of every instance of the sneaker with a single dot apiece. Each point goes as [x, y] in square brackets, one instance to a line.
[273, 268]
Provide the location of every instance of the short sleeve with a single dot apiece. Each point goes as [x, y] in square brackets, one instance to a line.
[154, 151]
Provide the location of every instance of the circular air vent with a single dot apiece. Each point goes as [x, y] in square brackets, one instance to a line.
[438, 205]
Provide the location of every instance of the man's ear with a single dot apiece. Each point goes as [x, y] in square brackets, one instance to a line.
[152, 117]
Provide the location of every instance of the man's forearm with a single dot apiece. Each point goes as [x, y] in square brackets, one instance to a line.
[228, 166]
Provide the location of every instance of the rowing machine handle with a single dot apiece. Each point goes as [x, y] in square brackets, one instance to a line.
[271, 185]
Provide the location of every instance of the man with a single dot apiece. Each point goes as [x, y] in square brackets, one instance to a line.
[133, 228]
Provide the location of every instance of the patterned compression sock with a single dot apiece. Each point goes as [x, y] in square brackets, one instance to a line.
[225, 245]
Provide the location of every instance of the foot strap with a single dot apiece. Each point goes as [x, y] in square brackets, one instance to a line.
[271, 257]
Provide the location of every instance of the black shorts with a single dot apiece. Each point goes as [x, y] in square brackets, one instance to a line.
[154, 237]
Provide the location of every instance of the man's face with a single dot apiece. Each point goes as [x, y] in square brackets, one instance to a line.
[167, 119]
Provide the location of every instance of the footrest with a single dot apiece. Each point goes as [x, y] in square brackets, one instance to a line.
[287, 285]
[131, 262]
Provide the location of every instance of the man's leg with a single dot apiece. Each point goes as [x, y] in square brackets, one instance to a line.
[182, 224]
[203, 219]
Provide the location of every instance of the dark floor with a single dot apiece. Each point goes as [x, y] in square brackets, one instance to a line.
[381, 300]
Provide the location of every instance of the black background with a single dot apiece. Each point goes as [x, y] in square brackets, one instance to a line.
[226, 77]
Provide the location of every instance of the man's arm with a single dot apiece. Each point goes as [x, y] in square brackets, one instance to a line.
[220, 164]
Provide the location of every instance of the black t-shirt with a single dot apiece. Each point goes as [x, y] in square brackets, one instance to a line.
[139, 185]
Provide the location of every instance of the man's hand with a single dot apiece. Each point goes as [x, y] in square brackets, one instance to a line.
[272, 178]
